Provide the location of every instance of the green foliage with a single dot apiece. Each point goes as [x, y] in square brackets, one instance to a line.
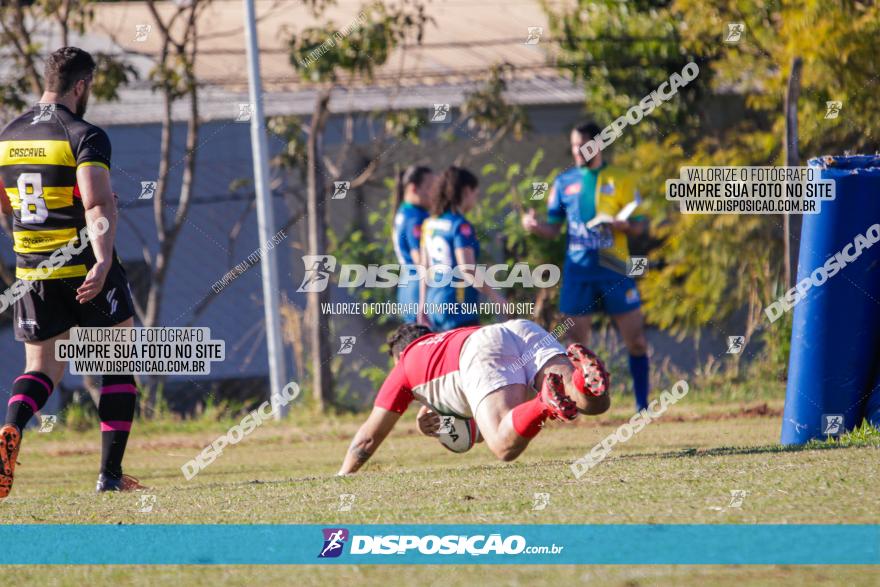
[171, 77]
[622, 51]
[496, 220]
[488, 114]
[81, 414]
[18, 34]
[405, 125]
[320, 54]
[777, 346]
[707, 267]
[290, 130]
[110, 76]
[370, 247]
[837, 43]
[12, 94]
[864, 435]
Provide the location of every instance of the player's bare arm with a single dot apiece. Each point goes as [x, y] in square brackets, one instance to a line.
[99, 202]
[368, 438]
[534, 226]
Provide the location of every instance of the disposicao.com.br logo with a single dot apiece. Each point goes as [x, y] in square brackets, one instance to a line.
[320, 268]
[334, 541]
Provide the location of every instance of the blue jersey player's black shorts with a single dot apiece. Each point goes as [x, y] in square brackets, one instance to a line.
[49, 307]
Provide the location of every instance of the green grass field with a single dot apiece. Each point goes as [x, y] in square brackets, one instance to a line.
[680, 469]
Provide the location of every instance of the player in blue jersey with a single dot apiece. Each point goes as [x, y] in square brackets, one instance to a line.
[449, 252]
[413, 199]
[600, 204]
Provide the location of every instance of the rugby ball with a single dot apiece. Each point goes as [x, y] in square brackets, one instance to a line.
[458, 434]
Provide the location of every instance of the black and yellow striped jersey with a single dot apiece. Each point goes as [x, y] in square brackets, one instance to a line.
[40, 152]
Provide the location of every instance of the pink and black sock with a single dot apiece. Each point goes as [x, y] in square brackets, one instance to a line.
[116, 410]
[30, 392]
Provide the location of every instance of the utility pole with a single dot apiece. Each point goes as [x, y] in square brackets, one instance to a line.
[265, 216]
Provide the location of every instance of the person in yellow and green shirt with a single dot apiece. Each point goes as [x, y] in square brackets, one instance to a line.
[589, 196]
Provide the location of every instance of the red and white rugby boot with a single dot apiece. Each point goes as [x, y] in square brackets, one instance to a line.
[10, 441]
[559, 405]
[590, 376]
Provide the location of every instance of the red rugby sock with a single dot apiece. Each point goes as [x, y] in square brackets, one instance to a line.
[577, 378]
[528, 418]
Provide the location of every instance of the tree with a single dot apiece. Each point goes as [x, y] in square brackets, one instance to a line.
[23, 81]
[709, 266]
[323, 56]
[173, 77]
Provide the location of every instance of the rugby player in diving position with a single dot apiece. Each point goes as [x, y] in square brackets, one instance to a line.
[511, 377]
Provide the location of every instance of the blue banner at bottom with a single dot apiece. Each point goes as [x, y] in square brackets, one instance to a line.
[440, 544]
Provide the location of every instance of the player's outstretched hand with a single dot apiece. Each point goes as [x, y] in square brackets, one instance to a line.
[93, 283]
[530, 220]
[429, 421]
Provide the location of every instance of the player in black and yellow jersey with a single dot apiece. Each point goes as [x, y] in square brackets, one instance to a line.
[55, 167]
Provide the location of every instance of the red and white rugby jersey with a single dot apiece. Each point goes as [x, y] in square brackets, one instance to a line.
[428, 371]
